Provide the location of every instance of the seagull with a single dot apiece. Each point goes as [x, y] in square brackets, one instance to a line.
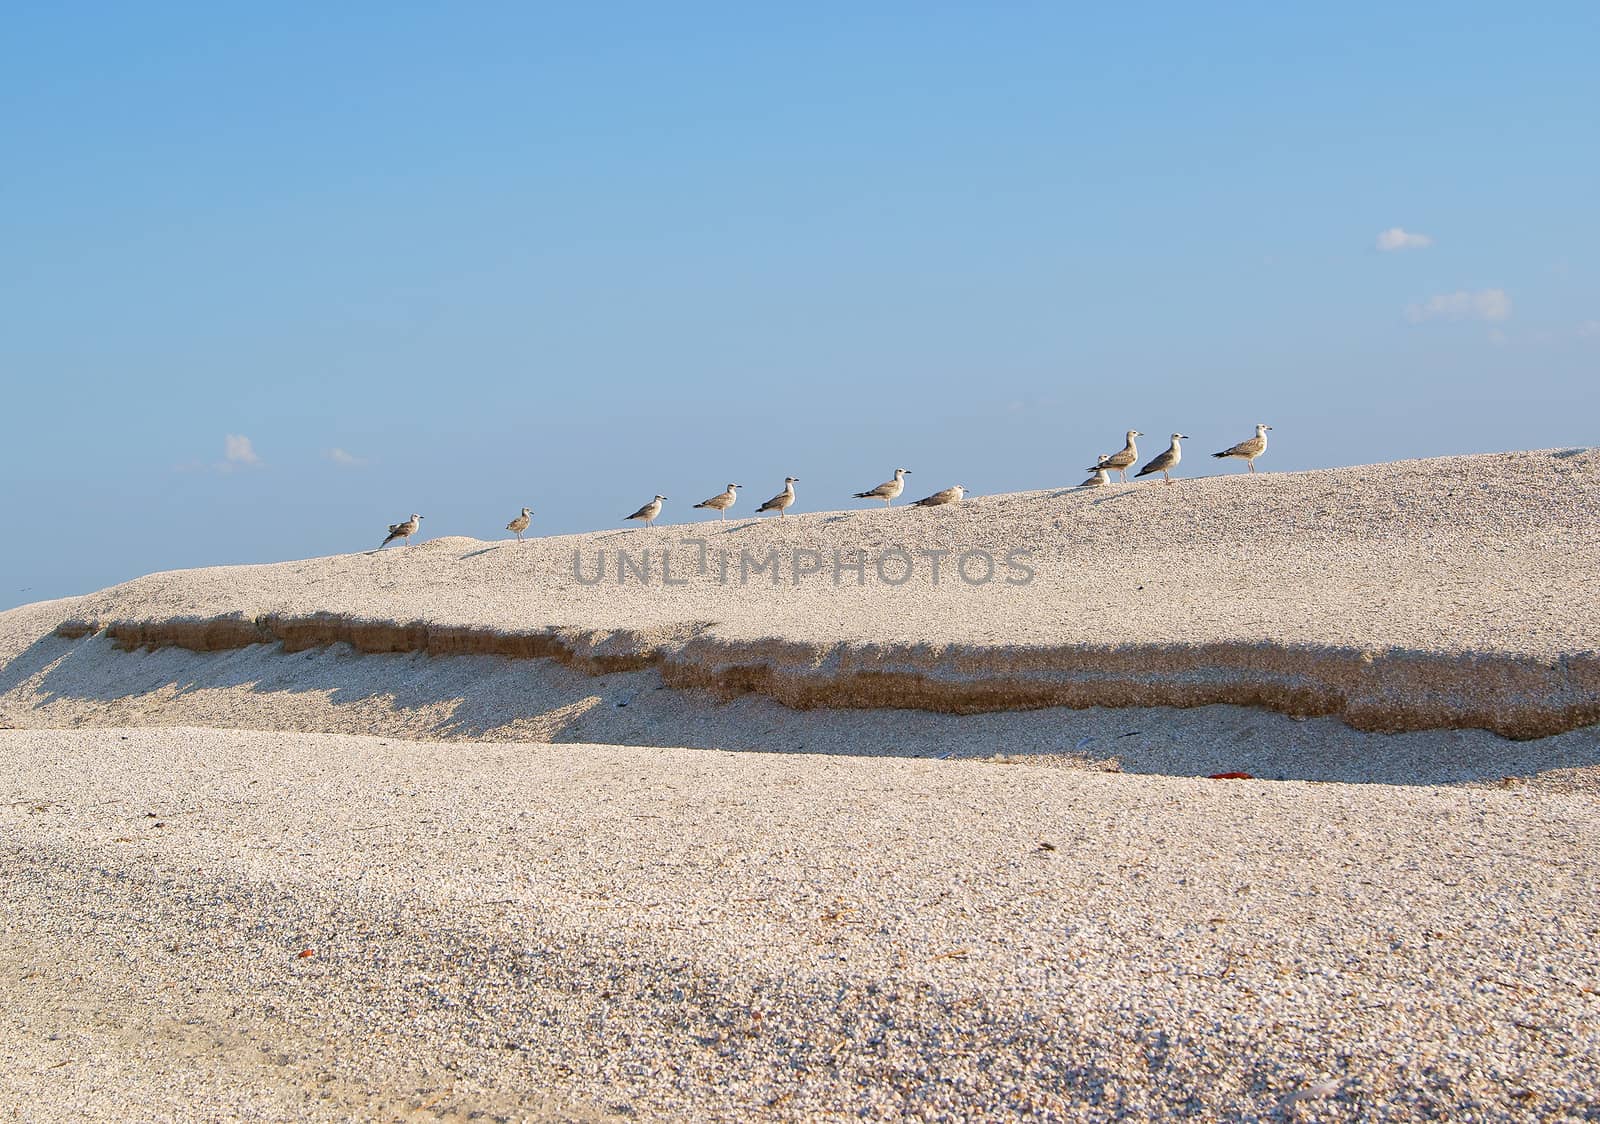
[649, 511]
[1124, 460]
[949, 495]
[519, 524]
[783, 500]
[402, 530]
[1101, 476]
[1167, 461]
[721, 503]
[1249, 450]
[889, 491]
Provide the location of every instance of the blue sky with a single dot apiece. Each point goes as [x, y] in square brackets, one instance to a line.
[457, 258]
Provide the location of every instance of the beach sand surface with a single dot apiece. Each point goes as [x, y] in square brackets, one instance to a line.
[299, 926]
[444, 832]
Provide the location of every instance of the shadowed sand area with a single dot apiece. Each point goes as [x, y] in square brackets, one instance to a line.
[793, 847]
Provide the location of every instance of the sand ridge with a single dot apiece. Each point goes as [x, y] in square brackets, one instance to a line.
[1427, 594]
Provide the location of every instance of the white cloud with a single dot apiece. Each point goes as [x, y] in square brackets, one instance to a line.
[1397, 239]
[237, 450]
[341, 457]
[1493, 305]
[1497, 337]
[1589, 329]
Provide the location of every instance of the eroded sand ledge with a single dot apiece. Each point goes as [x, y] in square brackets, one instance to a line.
[1392, 691]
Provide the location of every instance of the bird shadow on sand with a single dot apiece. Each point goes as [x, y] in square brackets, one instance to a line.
[713, 527]
[89, 681]
[485, 550]
[1114, 497]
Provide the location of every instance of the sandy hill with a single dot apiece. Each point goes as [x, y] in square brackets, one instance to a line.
[1452, 592]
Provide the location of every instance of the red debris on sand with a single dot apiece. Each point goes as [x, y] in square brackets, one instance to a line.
[1230, 777]
[305, 952]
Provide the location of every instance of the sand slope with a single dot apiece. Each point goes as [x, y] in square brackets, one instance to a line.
[1442, 593]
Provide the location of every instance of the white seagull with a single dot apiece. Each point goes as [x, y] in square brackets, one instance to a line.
[1167, 461]
[783, 500]
[649, 511]
[403, 530]
[890, 490]
[721, 502]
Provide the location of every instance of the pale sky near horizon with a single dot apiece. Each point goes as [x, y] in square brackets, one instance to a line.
[274, 277]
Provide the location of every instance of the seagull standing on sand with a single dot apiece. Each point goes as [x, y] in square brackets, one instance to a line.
[949, 495]
[1167, 461]
[783, 500]
[721, 503]
[1248, 450]
[1101, 476]
[519, 524]
[889, 491]
[1125, 460]
[402, 530]
[649, 511]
